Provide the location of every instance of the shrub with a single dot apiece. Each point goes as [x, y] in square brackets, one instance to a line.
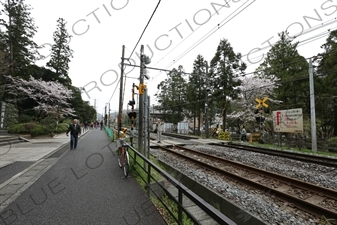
[25, 118]
[17, 129]
[38, 130]
[332, 144]
[33, 129]
[29, 126]
[62, 128]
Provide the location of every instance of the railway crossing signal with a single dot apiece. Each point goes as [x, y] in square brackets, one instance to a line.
[261, 102]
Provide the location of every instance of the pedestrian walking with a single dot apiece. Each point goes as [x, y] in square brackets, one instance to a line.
[75, 131]
[159, 127]
[101, 124]
[86, 125]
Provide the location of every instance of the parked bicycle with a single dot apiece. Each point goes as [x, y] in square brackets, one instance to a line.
[123, 157]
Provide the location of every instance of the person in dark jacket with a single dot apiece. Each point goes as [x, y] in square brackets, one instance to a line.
[75, 132]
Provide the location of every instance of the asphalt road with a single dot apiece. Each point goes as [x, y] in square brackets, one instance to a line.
[85, 186]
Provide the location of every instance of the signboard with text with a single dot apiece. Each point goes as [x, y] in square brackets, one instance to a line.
[289, 121]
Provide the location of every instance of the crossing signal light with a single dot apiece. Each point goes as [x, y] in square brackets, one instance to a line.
[132, 102]
[132, 114]
[260, 119]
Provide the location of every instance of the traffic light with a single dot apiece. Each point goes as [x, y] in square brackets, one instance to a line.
[132, 114]
[147, 60]
[132, 102]
[259, 119]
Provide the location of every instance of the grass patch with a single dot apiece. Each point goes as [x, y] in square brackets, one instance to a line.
[302, 150]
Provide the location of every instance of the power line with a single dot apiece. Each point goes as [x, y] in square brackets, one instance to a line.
[218, 27]
[320, 26]
[144, 29]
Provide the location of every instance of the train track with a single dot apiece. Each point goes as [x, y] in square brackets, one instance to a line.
[185, 137]
[316, 200]
[325, 161]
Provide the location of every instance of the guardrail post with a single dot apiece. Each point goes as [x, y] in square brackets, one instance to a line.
[180, 210]
[148, 178]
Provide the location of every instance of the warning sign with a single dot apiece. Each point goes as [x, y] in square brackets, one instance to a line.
[289, 121]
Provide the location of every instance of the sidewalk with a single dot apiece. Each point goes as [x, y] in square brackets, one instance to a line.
[82, 186]
[33, 150]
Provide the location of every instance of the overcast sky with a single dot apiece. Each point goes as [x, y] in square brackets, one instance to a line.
[177, 33]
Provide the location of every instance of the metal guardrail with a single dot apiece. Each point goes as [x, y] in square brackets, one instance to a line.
[110, 133]
[148, 166]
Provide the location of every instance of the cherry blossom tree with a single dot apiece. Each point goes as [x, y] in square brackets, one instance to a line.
[50, 98]
[252, 87]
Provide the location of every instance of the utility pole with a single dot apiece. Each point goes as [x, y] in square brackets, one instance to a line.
[132, 115]
[105, 116]
[312, 108]
[206, 107]
[141, 103]
[109, 116]
[95, 109]
[119, 121]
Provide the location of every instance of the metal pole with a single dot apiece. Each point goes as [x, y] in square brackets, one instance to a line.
[141, 103]
[121, 95]
[145, 123]
[109, 116]
[105, 116]
[312, 109]
[148, 127]
[206, 108]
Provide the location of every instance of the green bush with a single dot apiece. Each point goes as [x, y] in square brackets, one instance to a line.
[62, 128]
[17, 129]
[39, 130]
[332, 144]
[33, 129]
[25, 118]
[29, 126]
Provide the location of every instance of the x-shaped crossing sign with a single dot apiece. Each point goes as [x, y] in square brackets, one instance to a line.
[261, 102]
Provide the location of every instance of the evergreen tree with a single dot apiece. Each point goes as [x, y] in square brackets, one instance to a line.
[196, 91]
[283, 62]
[172, 96]
[225, 68]
[21, 51]
[61, 52]
[326, 97]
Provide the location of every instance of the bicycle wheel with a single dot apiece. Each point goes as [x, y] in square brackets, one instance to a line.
[126, 164]
[119, 158]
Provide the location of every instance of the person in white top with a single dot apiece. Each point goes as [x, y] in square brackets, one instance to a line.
[243, 134]
[159, 129]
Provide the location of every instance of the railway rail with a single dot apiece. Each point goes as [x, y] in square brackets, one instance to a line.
[185, 137]
[325, 161]
[315, 200]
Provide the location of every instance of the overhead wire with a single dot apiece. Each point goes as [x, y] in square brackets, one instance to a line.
[320, 26]
[144, 29]
[208, 34]
[134, 50]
